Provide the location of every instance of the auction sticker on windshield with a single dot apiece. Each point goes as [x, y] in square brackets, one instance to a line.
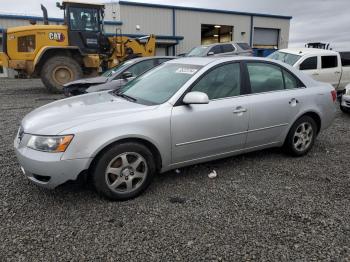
[183, 70]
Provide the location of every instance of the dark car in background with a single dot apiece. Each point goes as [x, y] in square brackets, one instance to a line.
[222, 49]
[115, 77]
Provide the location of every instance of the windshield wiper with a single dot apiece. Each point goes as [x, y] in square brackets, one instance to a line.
[129, 98]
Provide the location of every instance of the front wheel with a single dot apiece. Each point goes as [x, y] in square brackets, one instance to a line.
[301, 136]
[60, 70]
[124, 171]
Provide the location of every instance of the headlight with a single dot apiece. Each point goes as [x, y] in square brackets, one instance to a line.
[347, 91]
[53, 144]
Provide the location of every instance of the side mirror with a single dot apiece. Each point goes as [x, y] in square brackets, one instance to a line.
[210, 53]
[195, 97]
[126, 75]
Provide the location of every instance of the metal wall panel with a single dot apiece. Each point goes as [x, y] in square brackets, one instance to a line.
[156, 21]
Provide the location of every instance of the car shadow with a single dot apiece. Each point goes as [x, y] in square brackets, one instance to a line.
[87, 190]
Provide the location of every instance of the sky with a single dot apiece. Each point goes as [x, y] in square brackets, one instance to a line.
[313, 20]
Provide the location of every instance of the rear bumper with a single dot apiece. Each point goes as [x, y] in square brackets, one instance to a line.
[47, 169]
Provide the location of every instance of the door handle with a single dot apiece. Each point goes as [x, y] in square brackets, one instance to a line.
[239, 110]
[315, 74]
[336, 72]
[293, 101]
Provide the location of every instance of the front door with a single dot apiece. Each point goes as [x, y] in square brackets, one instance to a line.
[214, 129]
[84, 29]
[310, 66]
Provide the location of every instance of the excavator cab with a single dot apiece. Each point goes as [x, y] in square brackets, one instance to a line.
[85, 26]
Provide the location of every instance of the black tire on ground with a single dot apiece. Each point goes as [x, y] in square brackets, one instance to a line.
[59, 70]
[290, 145]
[113, 158]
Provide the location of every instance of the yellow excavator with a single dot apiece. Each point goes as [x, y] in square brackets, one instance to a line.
[59, 54]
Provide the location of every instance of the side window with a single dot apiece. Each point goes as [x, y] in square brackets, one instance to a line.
[309, 63]
[227, 48]
[85, 19]
[141, 67]
[290, 81]
[223, 81]
[216, 49]
[265, 77]
[329, 61]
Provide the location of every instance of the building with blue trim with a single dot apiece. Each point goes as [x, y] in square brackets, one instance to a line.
[181, 28]
[178, 29]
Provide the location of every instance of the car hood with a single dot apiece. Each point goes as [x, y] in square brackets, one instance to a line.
[58, 116]
[91, 80]
[112, 85]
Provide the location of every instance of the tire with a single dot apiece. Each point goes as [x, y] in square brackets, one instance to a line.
[59, 70]
[344, 109]
[299, 142]
[127, 178]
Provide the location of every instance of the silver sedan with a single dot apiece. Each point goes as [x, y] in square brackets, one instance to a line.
[184, 112]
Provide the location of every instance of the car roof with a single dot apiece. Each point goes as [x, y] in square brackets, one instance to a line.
[151, 57]
[203, 61]
[307, 51]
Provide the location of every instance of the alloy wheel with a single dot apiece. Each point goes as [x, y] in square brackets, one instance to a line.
[126, 172]
[303, 136]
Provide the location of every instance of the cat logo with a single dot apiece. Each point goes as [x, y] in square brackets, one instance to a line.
[59, 37]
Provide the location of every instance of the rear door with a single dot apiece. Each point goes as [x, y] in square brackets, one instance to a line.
[330, 71]
[345, 76]
[208, 130]
[274, 102]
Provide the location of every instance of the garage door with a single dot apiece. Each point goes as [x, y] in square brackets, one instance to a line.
[265, 37]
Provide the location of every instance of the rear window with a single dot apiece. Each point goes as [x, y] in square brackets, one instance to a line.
[244, 46]
[329, 61]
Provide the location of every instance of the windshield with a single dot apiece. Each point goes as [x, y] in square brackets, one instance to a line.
[158, 85]
[287, 58]
[84, 19]
[117, 69]
[198, 51]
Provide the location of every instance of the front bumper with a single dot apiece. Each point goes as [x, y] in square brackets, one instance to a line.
[47, 169]
[345, 101]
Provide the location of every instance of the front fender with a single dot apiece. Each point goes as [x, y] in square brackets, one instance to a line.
[91, 138]
[41, 53]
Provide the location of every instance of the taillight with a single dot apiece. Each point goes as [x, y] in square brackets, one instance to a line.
[334, 95]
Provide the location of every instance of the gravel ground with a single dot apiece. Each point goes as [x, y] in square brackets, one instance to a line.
[262, 206]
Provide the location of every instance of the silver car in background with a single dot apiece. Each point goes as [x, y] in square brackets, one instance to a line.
[184, 112]
[221, 49]
[345, 100]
